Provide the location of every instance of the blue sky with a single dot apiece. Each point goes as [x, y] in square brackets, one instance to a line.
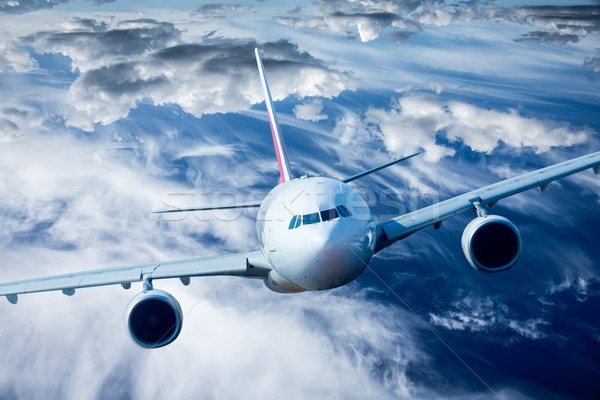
[109, 111]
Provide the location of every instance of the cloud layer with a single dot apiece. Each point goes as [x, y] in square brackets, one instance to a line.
[146, 60]
[398, 21]
[74, 199]
[426, 122]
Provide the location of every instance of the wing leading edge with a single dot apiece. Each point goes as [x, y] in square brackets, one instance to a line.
[248, 265]
[400, 227]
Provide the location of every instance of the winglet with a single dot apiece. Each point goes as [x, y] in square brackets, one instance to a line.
[284, 167]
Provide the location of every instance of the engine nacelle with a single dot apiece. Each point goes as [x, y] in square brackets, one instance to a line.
[491, 243]
[153, 319]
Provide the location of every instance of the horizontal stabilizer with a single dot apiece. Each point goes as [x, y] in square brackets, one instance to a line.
[365, 173]
[208, 208]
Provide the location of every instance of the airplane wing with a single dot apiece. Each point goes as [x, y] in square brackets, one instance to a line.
[249, 265]
[400, 227]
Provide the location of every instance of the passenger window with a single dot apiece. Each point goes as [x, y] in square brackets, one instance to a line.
[293, 222]
[344, 212]
[329, 214]
[310, 219]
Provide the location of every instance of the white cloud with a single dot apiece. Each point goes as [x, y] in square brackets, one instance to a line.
[208, 150]
[131, 61]
[15, 58]
[350, 128]
[580, 284]
[400, 20]
[418, 119]
[477, 314]
[310, 111]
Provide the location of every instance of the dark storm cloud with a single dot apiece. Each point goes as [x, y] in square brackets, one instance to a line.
[25, 6]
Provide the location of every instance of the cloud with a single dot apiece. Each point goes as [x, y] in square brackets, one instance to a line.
[488, 315]
[556, 38]
[13, 58]
[94, 44]
[368, 19]
[220, 10]
[581, 284]
[399, 21]
[310, 111]
[399, 36]
[203, 150]
[25, 6]
[418, 121]
[17, 120]
[581, 20]
[350, 129]
[593, 62]
[145, 60]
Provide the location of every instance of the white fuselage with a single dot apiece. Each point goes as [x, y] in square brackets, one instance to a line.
[317, 233]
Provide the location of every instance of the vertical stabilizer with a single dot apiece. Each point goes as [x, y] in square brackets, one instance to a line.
[284, 167]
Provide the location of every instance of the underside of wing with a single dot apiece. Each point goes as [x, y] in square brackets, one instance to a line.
[153, 317]
[250, 265]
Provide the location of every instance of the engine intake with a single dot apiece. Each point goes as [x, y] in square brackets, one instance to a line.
[491, 243]
[153, 319]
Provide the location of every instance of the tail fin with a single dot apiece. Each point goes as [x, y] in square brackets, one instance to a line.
[284, 167]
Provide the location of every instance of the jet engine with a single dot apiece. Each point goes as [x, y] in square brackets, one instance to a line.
[153, 318]
[491, 243]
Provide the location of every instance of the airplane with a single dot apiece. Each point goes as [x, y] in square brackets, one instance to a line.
[315, 233]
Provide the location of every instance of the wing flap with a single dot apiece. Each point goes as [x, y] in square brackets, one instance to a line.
[400, 227]
[250, 265]
[233, 264]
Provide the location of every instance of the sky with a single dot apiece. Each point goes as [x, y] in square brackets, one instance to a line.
[109, 110]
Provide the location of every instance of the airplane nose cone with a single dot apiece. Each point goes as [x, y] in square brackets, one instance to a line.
[338, 260]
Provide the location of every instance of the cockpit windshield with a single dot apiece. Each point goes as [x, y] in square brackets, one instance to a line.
[321, 216]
